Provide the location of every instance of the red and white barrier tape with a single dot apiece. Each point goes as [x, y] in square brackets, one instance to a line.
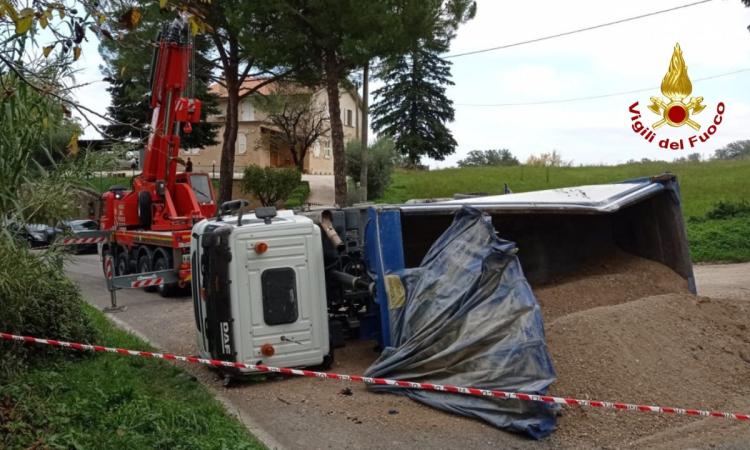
[146, 282]
[385, 381]
[90, 240]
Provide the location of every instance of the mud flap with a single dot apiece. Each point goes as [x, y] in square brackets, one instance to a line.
[219, 327]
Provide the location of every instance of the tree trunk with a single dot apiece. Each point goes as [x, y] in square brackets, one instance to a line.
[226, 171]
[337, 127]
[365, 112]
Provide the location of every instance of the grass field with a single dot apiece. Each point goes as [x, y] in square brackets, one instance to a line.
[703, 186]
[108, 401]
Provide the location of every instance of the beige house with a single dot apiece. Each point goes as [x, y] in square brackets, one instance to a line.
[255, 143]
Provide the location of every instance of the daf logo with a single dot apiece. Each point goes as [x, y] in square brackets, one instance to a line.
[225, 337]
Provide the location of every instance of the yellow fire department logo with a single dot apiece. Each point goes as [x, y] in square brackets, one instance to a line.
[675, 109]
[676, 86]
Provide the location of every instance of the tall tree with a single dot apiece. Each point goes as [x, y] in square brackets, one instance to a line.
[412, 106]
[299, 120]
[327, 39]
[734, 150]
[237, 29]
[128, 70]
[365, 125]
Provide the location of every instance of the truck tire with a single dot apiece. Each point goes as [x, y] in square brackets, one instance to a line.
[122, 264]
[161, 262]
[144, 209]
[144, 265]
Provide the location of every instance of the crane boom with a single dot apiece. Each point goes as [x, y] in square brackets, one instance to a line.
[151, 222]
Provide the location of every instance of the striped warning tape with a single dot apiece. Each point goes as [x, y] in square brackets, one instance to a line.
[385, 381]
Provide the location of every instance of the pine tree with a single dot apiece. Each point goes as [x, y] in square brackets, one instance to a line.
[412, 107]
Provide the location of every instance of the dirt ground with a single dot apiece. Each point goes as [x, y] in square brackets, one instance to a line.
[633, 346]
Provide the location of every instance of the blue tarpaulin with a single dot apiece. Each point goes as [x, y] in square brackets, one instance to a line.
[467, 316]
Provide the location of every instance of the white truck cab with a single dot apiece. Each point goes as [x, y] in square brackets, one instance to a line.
[258, 293]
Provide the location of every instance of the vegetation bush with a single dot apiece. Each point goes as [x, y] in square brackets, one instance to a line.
[36, 184]
[37, 300]
[299, 196]
[723, 234]
[380, 161]
[271, 185]
[729, 209]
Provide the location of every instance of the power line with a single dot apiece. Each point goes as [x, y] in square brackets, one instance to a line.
[595, 97]
[579, 30]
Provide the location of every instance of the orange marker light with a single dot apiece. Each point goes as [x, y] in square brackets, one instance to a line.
[261, 247]
[267, 350]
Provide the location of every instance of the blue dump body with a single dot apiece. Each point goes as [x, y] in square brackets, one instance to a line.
[455, 300]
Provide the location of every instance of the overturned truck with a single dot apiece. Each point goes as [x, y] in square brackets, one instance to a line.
[284, 288]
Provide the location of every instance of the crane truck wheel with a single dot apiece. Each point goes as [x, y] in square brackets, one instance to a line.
[144, 265]
[161, 262]
[144, 209]
[122, 265]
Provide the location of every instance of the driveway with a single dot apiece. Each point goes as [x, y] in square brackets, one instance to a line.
[322, 191]
[723, 280]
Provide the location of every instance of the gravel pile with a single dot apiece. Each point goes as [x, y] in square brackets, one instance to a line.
[612, 339]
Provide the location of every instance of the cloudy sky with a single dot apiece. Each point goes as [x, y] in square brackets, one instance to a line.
[621, 58]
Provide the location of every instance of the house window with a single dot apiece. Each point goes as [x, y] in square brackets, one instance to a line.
[316, 149]
[349, 119]
[241, 143]
[247, 113]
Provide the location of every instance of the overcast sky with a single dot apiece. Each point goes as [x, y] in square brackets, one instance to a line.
[625, 57]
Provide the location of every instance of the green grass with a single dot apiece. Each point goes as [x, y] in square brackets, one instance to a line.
[725, 240]
[108, 401]
[702, 185]
[102, 184]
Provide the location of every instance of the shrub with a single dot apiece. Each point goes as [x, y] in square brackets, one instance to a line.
[298, 196]
[271, 185]
[728, 209]
[380, 162]
[37, 300]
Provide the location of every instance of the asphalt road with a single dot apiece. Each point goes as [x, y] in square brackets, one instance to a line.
[298, 412]
[307, 413]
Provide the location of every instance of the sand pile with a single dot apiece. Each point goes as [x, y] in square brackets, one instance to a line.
[620, 278]
[669, 350]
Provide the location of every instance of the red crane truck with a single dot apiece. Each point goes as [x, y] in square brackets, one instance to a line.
[150, 223]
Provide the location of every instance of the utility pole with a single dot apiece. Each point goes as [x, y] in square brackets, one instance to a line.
[365, 113]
